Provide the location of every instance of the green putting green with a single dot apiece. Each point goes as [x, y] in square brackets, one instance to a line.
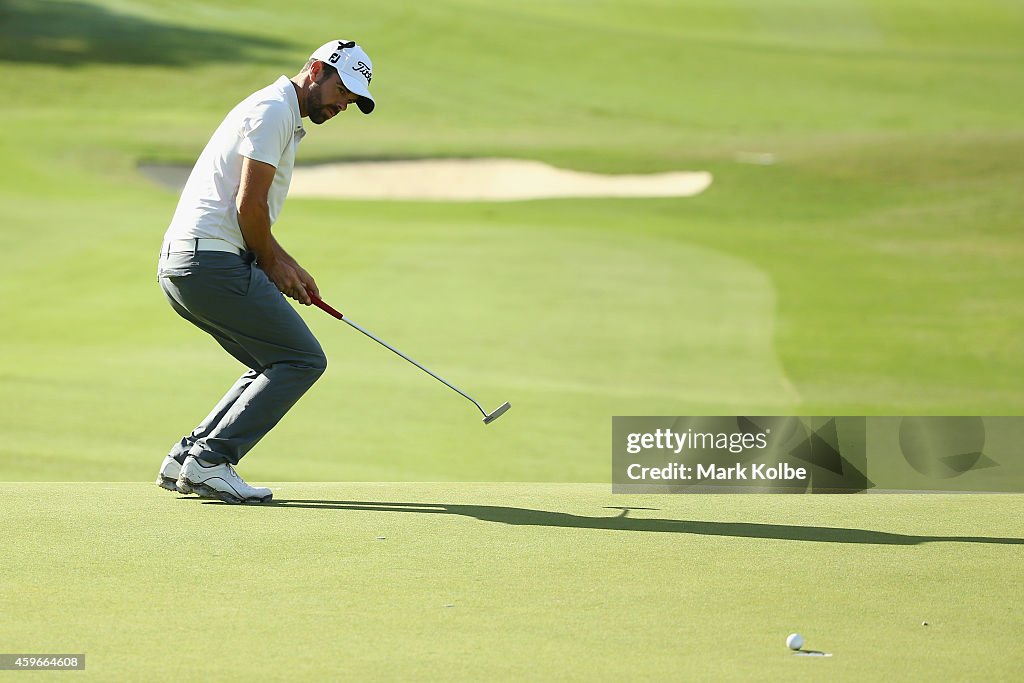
[463, 582]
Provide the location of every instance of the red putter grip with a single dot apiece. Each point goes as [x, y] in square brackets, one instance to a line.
[319, 303]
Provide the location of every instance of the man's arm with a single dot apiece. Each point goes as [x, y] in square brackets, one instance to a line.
[254, 220]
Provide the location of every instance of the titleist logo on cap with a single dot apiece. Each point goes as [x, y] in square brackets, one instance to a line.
[362, 68]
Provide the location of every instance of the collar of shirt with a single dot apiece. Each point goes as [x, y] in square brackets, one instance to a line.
[293, 99]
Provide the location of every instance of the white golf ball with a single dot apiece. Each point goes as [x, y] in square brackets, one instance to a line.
[795, 641]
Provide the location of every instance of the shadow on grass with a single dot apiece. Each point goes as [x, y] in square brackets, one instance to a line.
[623, 522]
[64, 33]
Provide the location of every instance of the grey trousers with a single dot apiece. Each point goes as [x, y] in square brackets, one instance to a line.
[233, 300]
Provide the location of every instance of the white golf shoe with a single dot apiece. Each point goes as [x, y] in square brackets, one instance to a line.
[218, 481]
[168, 477]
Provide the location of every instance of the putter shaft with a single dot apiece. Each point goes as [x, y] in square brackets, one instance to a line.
[488, 418]
[392, 348]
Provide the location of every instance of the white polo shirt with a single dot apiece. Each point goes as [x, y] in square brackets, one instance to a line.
[267, 127]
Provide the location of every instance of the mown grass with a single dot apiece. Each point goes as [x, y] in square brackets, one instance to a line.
[454, 582]
[870, 270]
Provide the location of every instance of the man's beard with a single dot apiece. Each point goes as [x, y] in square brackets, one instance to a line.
[317, 112]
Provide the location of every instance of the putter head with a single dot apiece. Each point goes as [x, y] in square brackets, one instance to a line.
[497, 412]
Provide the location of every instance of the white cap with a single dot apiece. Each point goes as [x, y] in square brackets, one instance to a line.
[354, 67]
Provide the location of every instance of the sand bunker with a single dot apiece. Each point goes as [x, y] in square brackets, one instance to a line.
[469, 180]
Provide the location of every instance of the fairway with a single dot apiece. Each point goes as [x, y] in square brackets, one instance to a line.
[465, 582]
[871, 268]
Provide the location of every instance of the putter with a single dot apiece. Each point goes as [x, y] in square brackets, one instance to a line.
[488, 417]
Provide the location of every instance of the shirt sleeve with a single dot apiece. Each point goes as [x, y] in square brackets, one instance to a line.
[264, 133]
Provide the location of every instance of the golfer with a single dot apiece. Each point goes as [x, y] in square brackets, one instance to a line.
[223, 270]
